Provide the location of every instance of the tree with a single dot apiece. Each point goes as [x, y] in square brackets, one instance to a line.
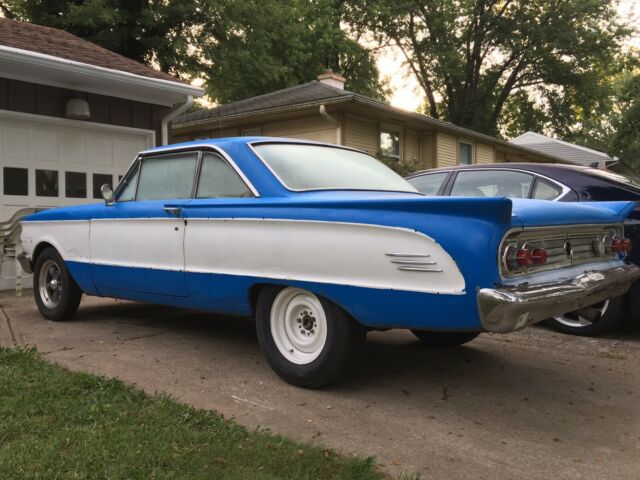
[625, 141]
[143, 30]
[256, 47]
[473, 58]
[239, 48]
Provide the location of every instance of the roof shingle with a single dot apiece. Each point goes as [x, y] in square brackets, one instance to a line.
[58, 43]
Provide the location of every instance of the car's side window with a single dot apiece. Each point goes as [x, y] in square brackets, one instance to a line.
[218, 179]
[430, 183]
[545, 190]
[167, 176]
[129, 192]
[492, 183]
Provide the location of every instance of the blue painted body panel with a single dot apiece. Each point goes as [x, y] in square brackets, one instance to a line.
[469, 229]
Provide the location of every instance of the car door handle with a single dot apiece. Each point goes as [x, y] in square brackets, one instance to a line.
[175, 211]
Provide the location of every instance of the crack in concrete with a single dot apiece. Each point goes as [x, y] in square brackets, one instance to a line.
[130, 339]
[7, 321]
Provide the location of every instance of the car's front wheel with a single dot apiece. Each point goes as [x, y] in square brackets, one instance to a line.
[594, 320]
[444, 339]
[308, 340]
[57, 294]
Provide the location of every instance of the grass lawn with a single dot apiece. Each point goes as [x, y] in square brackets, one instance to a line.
[58, 424]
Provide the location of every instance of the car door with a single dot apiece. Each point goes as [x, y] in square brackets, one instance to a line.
[223, 197]
[137, 243]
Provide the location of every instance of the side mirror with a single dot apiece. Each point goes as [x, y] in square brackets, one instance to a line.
[107, 194]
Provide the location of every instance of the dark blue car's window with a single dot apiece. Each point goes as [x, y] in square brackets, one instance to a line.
[428, 184]
[219, 179]
[492, 183]
[545, 190]
[167, 177]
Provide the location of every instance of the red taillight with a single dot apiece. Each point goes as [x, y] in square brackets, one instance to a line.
[523, 258]
[621, 245]
[539, 256]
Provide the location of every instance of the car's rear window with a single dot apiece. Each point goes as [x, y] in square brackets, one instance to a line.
[319, 167]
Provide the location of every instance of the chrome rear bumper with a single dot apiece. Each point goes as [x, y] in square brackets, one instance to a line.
[504, 310]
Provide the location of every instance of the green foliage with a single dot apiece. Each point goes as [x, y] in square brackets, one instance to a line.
[625, 142]
[255, 47]
[239, 48]
[58, 424]
[472, 58]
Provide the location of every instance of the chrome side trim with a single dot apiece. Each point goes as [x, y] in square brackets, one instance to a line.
[506, 309]
[412, 262]
[407, 255]
[420, 269]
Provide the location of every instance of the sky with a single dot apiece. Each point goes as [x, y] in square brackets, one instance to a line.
[406, 91]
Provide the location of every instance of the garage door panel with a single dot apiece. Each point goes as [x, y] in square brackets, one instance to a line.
[46, 145]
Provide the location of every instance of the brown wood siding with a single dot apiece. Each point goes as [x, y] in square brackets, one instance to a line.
[485, 153]
[361, 134]
[50, 101]
[446, 150]
[411, 148]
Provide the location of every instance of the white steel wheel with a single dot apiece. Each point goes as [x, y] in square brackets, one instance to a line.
[308, 340]
[594, 320]
[298, 325]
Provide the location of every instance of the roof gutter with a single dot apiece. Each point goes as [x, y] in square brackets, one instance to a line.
[332, 120]
[173, 114]
[63, 65]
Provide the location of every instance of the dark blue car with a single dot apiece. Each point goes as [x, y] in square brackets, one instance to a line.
[558, 183]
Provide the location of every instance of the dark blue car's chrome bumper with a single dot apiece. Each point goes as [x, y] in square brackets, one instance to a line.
[504, 310]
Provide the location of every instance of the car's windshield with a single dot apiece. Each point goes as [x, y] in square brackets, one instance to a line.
[319, 167]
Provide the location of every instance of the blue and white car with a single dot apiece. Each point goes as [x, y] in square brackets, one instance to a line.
[322, 243]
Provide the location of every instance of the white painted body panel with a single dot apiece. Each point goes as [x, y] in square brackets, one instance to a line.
[325, 252]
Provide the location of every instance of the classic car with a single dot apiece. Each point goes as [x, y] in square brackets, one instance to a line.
[321, 243]
[558, 183]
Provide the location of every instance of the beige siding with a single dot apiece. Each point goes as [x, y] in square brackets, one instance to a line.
[484, 153]
[427, 151]
[361, 134]
[221, 133]
[411, 147]
[311, 128]
[446, 150]
[500, 158]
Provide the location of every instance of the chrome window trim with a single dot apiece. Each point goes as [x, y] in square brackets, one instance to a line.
[319, 144]
[202, 146]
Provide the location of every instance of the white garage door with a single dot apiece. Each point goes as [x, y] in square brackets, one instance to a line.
[48, 162]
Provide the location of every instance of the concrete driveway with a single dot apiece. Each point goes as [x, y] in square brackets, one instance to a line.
[533, 405]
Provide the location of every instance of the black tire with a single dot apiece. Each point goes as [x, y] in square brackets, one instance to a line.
[54, 306]
[609, 320]
[345, 339]
[444, 339]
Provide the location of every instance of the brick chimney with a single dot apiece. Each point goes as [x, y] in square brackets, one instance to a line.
[332, 79]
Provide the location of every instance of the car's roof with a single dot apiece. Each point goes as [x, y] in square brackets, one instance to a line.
[534, 167]
[231, 141]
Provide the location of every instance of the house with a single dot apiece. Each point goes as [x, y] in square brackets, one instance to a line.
[570, 152]
[323, 110]
[72, 117]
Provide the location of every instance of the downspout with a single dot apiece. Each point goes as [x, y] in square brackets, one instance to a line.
[332, 120]
[164, 124]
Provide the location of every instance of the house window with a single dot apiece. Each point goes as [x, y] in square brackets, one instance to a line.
[100, 179]
[251, 132]
[46, 183]
[75, 184]
[390, 144]
[16, 181]
[465, 153]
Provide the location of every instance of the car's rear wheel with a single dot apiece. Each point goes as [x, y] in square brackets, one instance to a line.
[594, 320]
[444, 339]
[57, 294]
[308, 340]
